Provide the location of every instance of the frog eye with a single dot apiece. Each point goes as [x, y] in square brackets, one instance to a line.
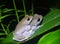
[38, 19]
[28, 19]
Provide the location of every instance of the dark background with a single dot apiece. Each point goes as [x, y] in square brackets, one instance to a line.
[40, 7]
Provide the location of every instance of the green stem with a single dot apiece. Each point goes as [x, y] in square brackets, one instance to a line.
[2, 24]
[16, 11]
[24, 7]
[4, 29]
[0, 15]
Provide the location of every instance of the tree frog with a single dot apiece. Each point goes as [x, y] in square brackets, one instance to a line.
[28, 28]
[34, 25]
[21, 28]
[36, 21]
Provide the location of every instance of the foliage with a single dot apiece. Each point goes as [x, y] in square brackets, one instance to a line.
[51, 38]
[51, 20]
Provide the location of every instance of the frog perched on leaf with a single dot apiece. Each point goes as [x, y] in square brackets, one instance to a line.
[27, 27]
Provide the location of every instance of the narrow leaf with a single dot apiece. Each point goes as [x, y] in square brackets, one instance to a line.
[2, 34]
[2, 17]
[7, 10]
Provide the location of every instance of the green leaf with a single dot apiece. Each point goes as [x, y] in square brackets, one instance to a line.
[1, 39]
[2, 34]
[2, 17]
[51, 20]
[9, 40]
[50, 38]
[7, 10]
[47, 24]
[16, 12]
[51, 15]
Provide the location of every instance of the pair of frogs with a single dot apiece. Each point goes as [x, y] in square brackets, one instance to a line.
[27, 27]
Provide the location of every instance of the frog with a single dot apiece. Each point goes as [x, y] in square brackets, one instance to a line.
[28, 28]
[21, 28]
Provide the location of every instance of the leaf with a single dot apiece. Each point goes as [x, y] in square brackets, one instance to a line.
[16, 12]
[9, 40]
[1, 39]
[7, 10]
[2, 17]
[2, 34]
[50, 38]
[52, 15]
[46, 25]
[51, 20]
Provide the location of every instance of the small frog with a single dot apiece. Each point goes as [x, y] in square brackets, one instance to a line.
[28, 28]
[34, 25]
[36, 21]
[21, 28]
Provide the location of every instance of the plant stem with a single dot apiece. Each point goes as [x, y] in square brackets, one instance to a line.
[2, 24]
[0, 15]
[24, 7]
[16, 11]
[4, 29]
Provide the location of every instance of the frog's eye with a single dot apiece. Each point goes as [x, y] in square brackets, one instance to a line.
[28, 19]
[38, 20]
